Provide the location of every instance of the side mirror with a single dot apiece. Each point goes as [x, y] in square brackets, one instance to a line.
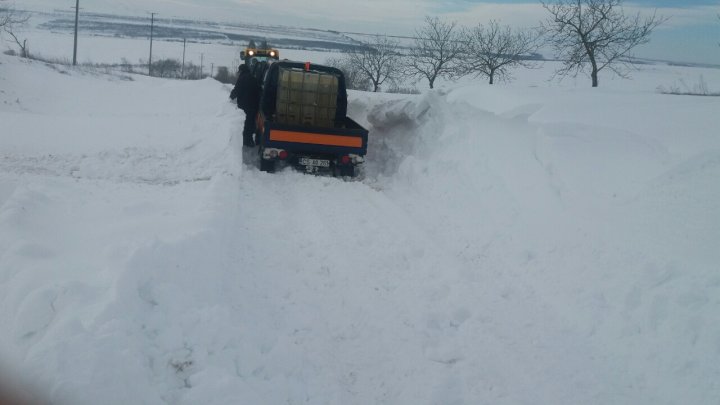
[242, 54]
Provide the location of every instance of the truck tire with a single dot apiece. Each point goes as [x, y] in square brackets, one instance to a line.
[347, 171]
[267, 165]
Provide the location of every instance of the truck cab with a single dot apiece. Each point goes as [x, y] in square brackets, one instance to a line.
[260, 53]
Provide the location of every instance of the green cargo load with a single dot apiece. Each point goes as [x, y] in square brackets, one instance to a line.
[306, 98]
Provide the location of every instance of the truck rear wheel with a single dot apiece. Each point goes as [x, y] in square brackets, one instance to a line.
[267, 165]
[345, 171]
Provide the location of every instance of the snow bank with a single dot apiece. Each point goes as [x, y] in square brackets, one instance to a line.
[504, 246]
[578, 227]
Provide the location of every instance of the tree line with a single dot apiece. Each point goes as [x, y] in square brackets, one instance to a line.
[586, 35]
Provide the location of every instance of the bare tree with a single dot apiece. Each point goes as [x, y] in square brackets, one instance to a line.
[5, 11]
[168, 68]
[193, 72]
[354, 79]
[595, 33]
[224, 76]
[378, 61]
[10, 20]
[493, 51]
[436, 51]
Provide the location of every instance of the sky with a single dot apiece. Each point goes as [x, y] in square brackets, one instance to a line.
[691, 34]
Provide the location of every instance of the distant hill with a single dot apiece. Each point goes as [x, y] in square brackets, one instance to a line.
[119, 26]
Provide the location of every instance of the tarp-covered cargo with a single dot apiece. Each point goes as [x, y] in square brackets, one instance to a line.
[306, 97]
[296, 95]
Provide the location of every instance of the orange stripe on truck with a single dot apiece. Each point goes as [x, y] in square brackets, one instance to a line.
[315, 139]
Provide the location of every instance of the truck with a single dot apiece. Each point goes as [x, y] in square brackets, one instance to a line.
[302, 120]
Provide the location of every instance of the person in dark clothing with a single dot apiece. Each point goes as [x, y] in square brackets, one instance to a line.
[247, 94]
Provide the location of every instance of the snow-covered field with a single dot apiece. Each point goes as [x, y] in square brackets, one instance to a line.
[45, 40]
[530, 243]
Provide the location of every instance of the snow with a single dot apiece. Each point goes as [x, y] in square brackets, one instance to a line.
[526, 243]
[101, 47]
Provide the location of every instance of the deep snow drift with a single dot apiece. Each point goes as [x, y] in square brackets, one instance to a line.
[507, 245]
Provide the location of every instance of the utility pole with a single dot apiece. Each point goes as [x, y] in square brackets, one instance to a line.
[152, 25]
[212, 69]
[77, 16]
[182, 72]
[202, 56]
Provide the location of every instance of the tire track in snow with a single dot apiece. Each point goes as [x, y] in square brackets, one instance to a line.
[315, 251]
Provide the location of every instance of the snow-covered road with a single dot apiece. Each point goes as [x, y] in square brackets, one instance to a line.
[502, 247]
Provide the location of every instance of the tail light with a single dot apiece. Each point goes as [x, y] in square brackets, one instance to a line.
[345, 160]
[272, 153]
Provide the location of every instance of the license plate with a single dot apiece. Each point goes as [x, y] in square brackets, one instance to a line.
[314, 162]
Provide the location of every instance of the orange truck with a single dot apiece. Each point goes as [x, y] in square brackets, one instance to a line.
[303, 122]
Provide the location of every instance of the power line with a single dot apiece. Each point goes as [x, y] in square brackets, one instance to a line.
[395, 36]
[376, 35]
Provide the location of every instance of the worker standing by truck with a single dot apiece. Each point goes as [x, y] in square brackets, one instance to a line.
[247, 93]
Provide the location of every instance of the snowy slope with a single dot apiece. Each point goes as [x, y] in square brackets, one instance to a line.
[505, 246]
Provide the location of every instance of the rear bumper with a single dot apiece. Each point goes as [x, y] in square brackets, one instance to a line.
[313, 140]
